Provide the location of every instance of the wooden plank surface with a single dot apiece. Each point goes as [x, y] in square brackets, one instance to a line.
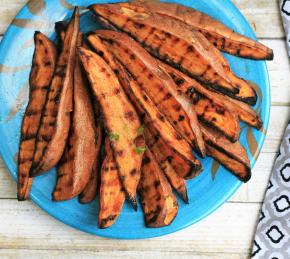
[28, 232]
[25, 226]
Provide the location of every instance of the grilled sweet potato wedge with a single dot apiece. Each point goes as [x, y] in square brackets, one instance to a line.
[241, 171]
[191, 87]
[179, 45]
[222, 37]
[183, 167]
[142, 102]
[91, 189]
[158, 85]
[232, 155]
[120, 119]
[55, 121]
[112, 195]
[43, 64]
[76, 167]
[209, 110]
[159, 204]
[178, 183]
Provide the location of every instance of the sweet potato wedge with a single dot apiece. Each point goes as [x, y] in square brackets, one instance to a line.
[232, 155]
[184, 168]
[222, 37]
[158, 85]
[78, 163]
[43, 64]
[159, 204]
[91, 189]
[191, 87]
[120, 119]
[210, 110]
[142, 102]
[112, 195]
[238, 169]
[179, 45]
[55, 121]
[177, 182]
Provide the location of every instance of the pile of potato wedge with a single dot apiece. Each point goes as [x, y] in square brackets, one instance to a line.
[119, 110]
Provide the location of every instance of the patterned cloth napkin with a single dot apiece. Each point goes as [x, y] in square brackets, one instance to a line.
[272, 238]
[285, 12]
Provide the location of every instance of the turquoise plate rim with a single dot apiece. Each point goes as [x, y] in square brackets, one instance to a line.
[163, 231]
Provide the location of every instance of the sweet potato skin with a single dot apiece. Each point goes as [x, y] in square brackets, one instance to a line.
[43, 64]
[158, 85]
[159, 204]
[91, 189]
[112, 195]
[55, 121]
[142, 102]
[222, 37]
[123, 126]
[77, 165]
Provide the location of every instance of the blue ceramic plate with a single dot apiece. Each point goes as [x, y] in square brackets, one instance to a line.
[205, 194]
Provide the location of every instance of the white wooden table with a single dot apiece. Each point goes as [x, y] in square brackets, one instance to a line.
[27, 231]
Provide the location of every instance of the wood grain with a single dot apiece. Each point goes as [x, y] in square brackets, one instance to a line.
[213, 235]
[75, 254]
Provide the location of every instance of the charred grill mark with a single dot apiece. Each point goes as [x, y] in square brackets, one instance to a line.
[129, 115]
[35, 88]
[156, 184]
[146, 160]
[167, 97]
[31, 112]
[45, 137]
[117, 91]
[25, 137]
[161, 117]
[139, 25]
[47, 64]
[133, 172]
[181, 118]
[132, 57]
[105, 221]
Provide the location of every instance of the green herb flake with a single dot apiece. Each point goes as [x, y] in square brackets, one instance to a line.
[141, 130]
[140, 150]
[114, 136]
